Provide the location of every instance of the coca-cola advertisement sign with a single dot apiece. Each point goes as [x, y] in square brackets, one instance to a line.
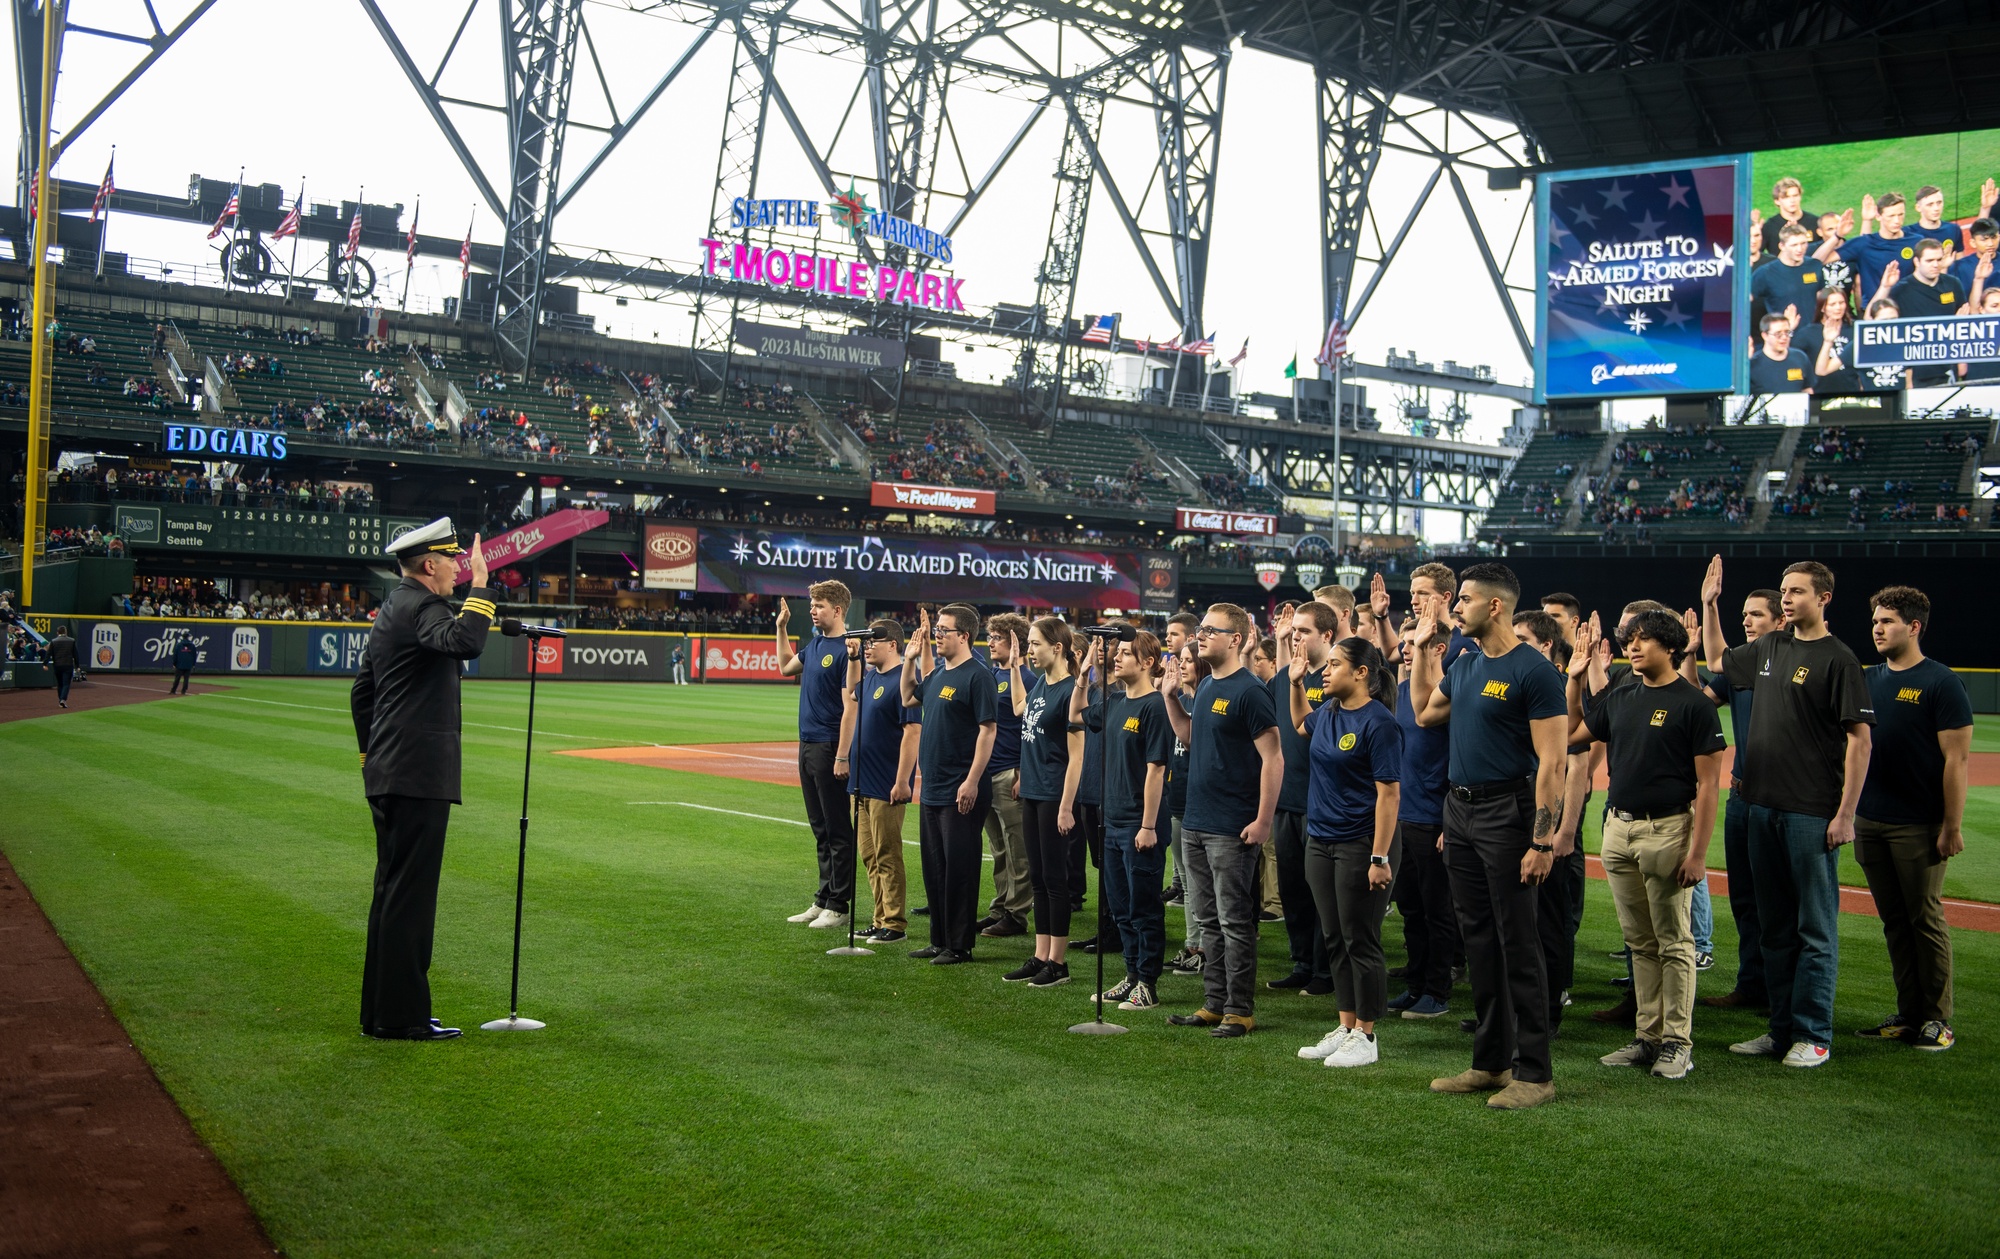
[670, 557]
[1222, 520]
[534, 537]
[931, 498]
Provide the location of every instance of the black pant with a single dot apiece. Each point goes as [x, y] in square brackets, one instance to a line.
[63, 678]
[1048, 866]
[1558, 915]
[1430, 927]
[180, 684]
[395, 976]
[949, 844]
[1350, 917]
[1086, 851]
[827, 805]
[1484, 841]
[1302, 917]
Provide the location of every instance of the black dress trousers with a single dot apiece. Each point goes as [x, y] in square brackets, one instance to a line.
[402, 918]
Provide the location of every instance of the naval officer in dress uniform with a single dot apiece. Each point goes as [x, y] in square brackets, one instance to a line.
[406, 720]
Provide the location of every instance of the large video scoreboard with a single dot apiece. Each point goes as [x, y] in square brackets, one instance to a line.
[258, 530]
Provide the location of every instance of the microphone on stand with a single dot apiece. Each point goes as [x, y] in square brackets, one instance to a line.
[1122, 631]
[515, 629]
[872, 633]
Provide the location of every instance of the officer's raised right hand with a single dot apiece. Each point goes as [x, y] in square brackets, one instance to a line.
[478, 564]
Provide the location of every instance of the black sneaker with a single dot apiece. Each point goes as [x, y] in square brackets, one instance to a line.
[1933, 1037]
[1176, 895]
[1317, 988]
[1187, 962]
[1086, 946]
[1297, 979]
[1468, 1026]
[1025, 971]
[1621, 981]
[1399, 972]
[889, 935]
[1895, 1027]
[1053, 973]
[929, 952]
[1704, 961]
[950, 957]
[1008, 926]
[922, 911]
[988, 921]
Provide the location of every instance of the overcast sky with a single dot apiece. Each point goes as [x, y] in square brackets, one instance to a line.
[318, 96]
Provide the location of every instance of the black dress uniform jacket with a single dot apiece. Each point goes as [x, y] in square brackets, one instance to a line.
[405, 699]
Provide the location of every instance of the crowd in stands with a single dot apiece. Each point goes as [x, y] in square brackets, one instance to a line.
[1224, 489]
[90, 541]
[185, 600]
[1836, 444]
[109, 482]
[779, 397]
[738, 443]
[949, 455]
[1129, 488]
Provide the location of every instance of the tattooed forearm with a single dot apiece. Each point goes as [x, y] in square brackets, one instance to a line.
[1545, 822]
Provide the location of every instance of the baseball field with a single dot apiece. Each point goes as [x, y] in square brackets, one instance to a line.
[710, 1082]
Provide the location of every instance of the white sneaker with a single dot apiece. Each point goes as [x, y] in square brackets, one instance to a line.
[1762, 1047]
[828, 918]
[811, 912]
[1807, 1054]
[1358, 1050]
[1327, 1046]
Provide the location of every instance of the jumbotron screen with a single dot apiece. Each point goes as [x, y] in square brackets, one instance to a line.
[1834, 270]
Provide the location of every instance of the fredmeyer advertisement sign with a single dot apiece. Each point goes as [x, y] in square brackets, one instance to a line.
[773, 562]
[1642, 294]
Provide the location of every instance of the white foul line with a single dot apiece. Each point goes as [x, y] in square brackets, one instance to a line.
[762, 817]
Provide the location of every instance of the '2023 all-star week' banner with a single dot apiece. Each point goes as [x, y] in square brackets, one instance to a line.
[773, 562]
[1643, 290]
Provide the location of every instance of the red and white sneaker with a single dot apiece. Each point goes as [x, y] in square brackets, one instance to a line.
[1807, 1054]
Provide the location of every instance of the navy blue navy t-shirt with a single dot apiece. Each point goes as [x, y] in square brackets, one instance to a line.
[956, 702]
[1965, 271]
[1140, 736]
[1352, 750]
[1871, 254]
[1774, 286]
[1007, 727]
[879, 718]
[1224, 767]
[820, 688]
[1492, 701]
[1905, 783]
[1424, 758]
[1292, 793]
[1177, 765]
[1045, 739]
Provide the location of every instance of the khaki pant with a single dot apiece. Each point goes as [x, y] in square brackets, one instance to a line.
[880, 838]
[1013, 892]
[1641, 858]
[1269, 901]
[1906, 877]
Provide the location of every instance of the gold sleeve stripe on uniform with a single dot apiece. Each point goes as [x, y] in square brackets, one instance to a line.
[479, 607]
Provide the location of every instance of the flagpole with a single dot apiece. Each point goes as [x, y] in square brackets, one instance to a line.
[104, 220]
[464, 267]
[410, 255]
[351, 252]
[1340, 320]
[298, 208]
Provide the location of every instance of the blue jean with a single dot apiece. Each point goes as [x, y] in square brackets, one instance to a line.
[1132, 886]
[1701, 917]
[1798, 900]
[1743, 899]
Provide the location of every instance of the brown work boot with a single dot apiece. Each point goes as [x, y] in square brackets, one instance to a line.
[1521, 1095]
[1234, 1025]
[1473, 1081]
[1626, 1012]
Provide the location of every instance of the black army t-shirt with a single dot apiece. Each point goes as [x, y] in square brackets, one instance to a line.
[1045, 739]
[1298, 773]
[1807, 692]
[1905, 784]
[1224, 769]
[1177, 765]
[1653, 735]
[1492, 701]
[956, 702]
[1140, 736]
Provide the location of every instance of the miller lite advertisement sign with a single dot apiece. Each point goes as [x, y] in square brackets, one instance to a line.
[670, 557]
[1222, 520]
[246, 649]
[107, 643]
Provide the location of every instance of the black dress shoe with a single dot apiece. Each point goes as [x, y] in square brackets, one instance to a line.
[950, 957]
[430, 1031]
[1085, 946]
[1317, 988]
[988, 921]
[1297, 979]
[1203, 1017]
[922, 911]
[1468, 1026]
[1008, 926]
[926, 953]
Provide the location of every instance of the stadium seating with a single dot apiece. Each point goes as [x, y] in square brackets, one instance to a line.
[1224, 484]
[1904, 472]
[1088, 462]
[1683, 479]
[1534, 495]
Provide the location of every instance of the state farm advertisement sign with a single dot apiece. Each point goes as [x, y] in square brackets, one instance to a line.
[1218, 520]
[746, 659]
[670, 556]
[931, 498]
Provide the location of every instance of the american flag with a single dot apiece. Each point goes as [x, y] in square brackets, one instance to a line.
[1173, 344]
[289, 225]
[410, 242]
[104, 191]
[353, 234]
[34, 195]
[1203, 347]
[1242, 353]
[1142, 344]
[1335, 345]
[465, 255]
[1099, 332]
[229, 212]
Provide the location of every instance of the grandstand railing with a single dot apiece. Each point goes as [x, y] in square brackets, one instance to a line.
[215, 387]
[1005, 450]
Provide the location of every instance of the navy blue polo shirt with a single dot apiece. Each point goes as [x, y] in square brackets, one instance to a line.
[1424, 753]
[1905, 783]
[879, 718]
[1352, 750]
[1045, 739]
[820, 687]
[1224, 767]
[1493, 700]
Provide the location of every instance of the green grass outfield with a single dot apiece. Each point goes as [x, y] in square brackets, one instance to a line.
[1836, 176]
[710, 1083]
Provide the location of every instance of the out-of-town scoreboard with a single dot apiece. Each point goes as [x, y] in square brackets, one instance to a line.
[259, 530]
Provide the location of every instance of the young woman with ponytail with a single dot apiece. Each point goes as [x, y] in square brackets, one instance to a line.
[1352, 848]
[1051, 765]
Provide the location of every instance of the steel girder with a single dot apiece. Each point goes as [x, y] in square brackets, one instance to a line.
[1351, 122]
[1381, 477]
[1045, 357]
[737, 158]
[1188, 85]
[540, 50]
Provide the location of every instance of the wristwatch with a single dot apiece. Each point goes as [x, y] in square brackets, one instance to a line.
[1541, 847]
[1375, 859]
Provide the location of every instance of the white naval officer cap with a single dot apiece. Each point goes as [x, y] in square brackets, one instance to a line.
[437, 537]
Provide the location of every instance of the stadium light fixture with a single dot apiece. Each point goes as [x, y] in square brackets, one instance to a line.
[520, 474]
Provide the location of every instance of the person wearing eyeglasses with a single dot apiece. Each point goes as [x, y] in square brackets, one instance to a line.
[1234, 772]
[960, 703]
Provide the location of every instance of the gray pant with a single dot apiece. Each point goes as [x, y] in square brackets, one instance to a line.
[1178, 852]
[1222, 875]
[1350, 917]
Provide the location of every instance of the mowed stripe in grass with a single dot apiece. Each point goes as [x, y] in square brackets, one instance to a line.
[711, 1082]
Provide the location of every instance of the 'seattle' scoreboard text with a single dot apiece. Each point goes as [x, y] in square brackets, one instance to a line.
[259, 530]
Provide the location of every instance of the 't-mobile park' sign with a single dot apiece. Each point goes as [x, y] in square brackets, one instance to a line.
[1216, 520]
[808, 272]
[931, 498]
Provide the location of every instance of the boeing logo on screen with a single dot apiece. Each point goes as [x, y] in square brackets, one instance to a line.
[1605, 371]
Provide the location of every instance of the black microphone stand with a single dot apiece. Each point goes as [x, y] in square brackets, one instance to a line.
[1097, 1026]
[514, 1022]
